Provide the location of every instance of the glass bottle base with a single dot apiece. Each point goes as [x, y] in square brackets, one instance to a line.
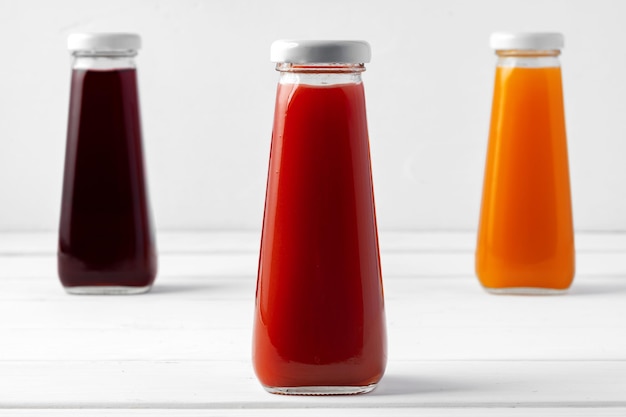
[107, 290]
[526, 291]
[321, 390]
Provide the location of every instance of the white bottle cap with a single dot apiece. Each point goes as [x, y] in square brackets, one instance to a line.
[311, 52]
[103, 42]
[540, 41]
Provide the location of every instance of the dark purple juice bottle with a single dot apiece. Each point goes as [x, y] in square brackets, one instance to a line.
[106, 237]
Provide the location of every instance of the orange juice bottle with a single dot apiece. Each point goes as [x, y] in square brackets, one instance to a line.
[525, 236]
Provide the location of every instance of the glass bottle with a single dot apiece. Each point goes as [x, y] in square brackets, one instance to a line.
[106, 237]
[319, 317]
[525, 237]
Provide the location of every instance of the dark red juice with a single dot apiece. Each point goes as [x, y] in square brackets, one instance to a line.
[319, 317]
[105, 236]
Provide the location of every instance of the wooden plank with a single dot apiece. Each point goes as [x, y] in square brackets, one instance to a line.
[231, 344]
[21, 243]
[418, 265]
[232, 385]
[166, 288]
[328, 412]
[437, 318]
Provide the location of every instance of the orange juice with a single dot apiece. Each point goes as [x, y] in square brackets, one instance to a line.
[525, 237]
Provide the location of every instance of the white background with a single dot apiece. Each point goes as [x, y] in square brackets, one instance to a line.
[207, 90]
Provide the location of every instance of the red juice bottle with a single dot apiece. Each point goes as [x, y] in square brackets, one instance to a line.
[319, 324]
[106, 237]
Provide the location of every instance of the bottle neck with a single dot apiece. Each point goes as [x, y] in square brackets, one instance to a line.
[103, 60]
[320, 74]
[528, 58]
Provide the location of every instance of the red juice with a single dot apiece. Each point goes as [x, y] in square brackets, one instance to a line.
[319, 318]
[105, 235]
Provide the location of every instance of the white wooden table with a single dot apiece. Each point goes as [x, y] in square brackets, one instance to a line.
[184, 349]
